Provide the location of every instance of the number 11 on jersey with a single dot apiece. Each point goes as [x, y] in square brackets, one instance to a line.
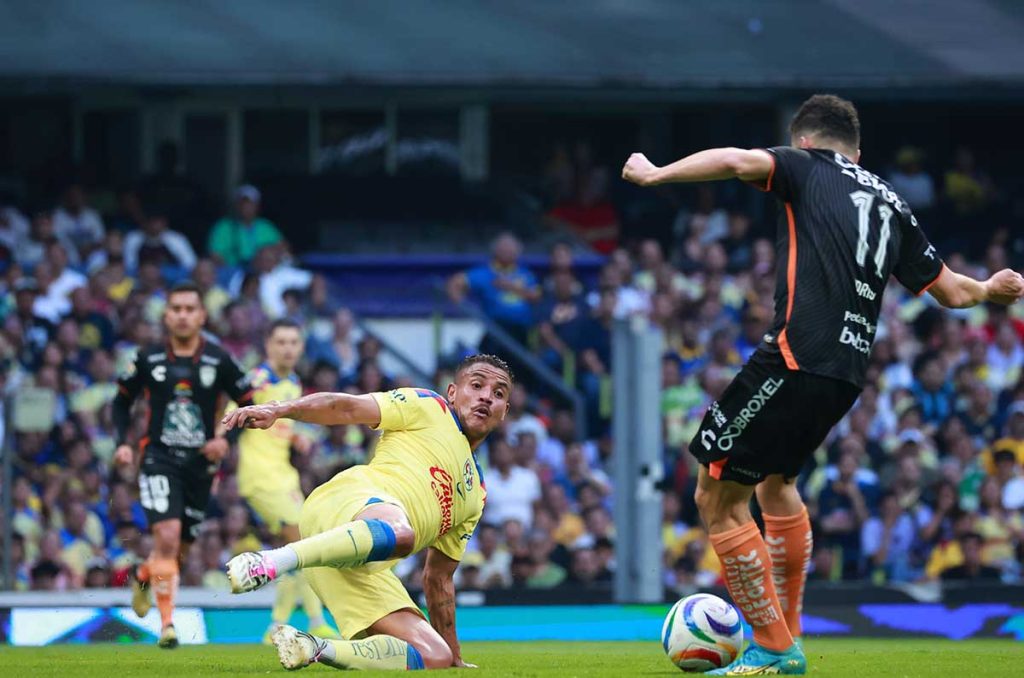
[863, 201]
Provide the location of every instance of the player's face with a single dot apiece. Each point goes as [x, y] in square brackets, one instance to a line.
[479, 397]
[184, 315]
[284, 348]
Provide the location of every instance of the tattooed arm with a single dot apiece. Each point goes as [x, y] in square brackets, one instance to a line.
[439, 589]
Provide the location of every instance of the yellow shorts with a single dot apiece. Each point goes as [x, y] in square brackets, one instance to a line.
[357, 598]
[276, 507]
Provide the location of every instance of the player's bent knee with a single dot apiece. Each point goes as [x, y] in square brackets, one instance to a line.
[405, 540]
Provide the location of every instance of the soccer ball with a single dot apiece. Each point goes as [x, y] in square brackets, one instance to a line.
[702, 632]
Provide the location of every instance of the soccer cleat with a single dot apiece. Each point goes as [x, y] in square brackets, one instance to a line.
[325, 630]
[295, 649]
[758, 661]
[142, 600]
[250, 571]
[168, 638]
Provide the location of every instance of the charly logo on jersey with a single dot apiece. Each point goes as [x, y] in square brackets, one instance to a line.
[207, 375]
[159, 373]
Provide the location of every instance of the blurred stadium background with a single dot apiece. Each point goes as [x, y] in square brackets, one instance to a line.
[386, 157]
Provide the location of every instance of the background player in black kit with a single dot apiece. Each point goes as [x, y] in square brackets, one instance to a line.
[842, 232]
[182, 382]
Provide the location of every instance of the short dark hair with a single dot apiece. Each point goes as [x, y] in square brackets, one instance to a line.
[186, 286]
[283, 322]
[972, 536]
[828, 116]
[1004, 454]
[487, 359]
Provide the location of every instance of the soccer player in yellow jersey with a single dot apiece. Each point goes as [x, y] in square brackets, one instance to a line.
[266, 478]
[422, 490]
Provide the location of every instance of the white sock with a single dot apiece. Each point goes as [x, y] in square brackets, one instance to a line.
[285, 559]
[328, 654]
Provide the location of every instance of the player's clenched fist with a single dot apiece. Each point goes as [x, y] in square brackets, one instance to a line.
[1005, 287]
[253, 416]
[639, 170]
[123, 455]
[215, 449]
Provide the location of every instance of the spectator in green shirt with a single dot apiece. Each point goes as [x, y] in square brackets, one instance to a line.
[234, 241]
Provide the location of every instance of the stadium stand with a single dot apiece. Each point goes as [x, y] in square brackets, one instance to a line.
[922, 481]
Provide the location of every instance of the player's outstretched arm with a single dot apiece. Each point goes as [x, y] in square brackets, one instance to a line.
[439, 590]
[710, 165]
[955, 290]
[327, 409]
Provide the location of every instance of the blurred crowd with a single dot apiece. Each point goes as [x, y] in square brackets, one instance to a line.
[922, 480]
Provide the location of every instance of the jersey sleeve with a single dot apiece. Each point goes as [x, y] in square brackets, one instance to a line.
[259, 381]
[918, 265]
[789, 167]
[128, 386]
[403, 409]
[235, 382]
[453, 543]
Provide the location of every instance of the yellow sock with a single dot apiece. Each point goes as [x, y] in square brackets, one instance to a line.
[310, 602]
[348, 545]
[285, 598]
[375, 652]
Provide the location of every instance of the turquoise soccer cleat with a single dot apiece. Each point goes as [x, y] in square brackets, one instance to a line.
[757, 661]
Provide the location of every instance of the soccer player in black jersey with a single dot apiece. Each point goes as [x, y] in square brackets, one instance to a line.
[182, 382]
[842, 233]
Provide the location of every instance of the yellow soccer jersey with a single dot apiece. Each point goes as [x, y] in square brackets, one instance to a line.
[264, 456]
[424, 461]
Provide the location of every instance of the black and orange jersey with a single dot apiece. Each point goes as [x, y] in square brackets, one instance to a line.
[182, 394]
[842, 232]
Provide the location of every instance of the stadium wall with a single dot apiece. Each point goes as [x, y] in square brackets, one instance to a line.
[206, 617]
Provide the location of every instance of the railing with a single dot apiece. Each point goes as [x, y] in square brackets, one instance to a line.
[415, 371]
[523, 356]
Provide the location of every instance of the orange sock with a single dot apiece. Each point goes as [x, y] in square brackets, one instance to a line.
[164, 580]
[745, 565]
[789, 545]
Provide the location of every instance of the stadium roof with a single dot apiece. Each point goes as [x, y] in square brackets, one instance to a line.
[586, 43]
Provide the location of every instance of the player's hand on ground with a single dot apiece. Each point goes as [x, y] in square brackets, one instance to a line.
[215, 449]
[124, 455]
[460, 664]
[639, 170]
[1005, 287]
[253, 416]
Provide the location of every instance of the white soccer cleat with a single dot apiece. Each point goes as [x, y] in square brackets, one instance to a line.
[296, 649]
[250, 571]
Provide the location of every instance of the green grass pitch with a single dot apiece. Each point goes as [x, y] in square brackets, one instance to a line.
[825, 658]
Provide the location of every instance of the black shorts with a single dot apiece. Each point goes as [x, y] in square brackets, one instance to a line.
[175, 483]
[769, 420]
